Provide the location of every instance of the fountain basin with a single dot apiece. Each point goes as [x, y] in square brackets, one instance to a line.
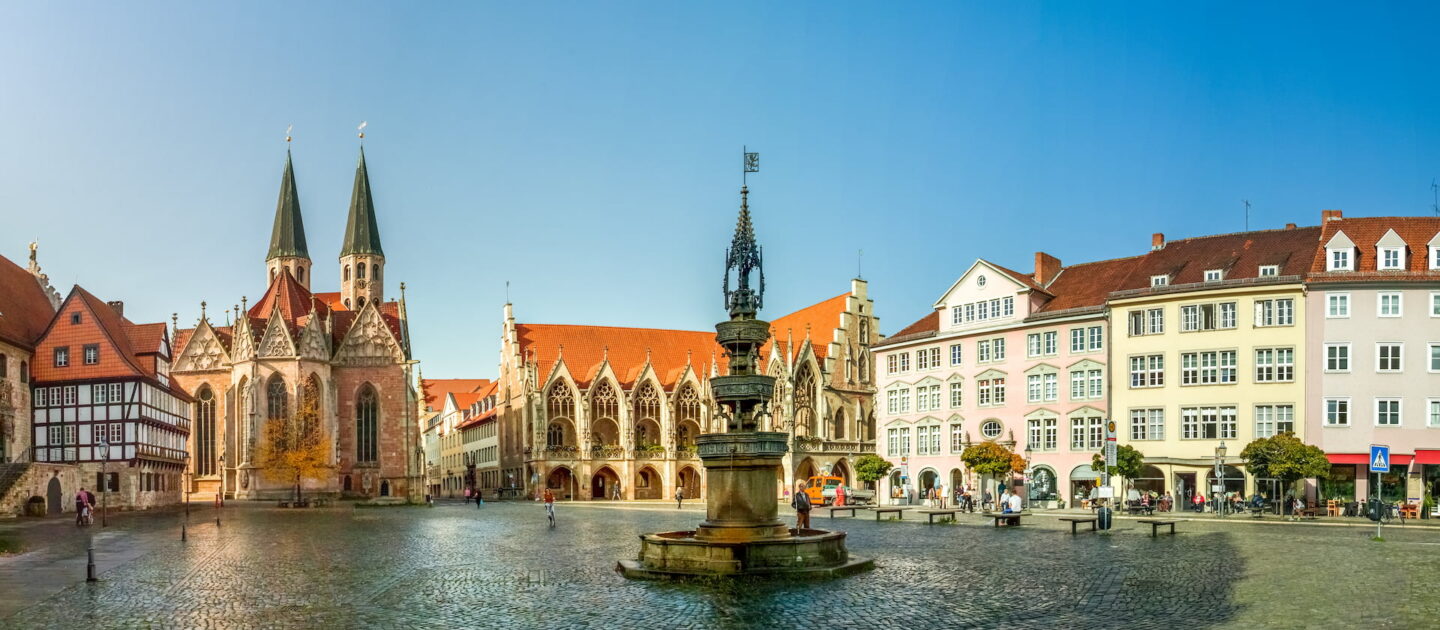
[808, 552]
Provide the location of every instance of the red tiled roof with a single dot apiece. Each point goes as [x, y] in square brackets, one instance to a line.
[433, 390]
[1087, 284]
[25, 310]
[1365, 232]
[145, 338]
[1022, 278]
[290, 297]
[818, 320]
[115, 336]
[332, 300]
[585, 348]
[463, 400]
[1240, 254]
[926, 326]
[478, 418]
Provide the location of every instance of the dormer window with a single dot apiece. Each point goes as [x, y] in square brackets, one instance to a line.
[1340, 260]
[1434, 258]
[1159, 281]
[1214, 275]
[1390, 257]
[1269, 271]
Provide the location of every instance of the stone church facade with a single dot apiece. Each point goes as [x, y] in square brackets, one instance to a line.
[587, 410]
[345, 354]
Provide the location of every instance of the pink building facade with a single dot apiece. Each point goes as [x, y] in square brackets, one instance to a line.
[1005, 357]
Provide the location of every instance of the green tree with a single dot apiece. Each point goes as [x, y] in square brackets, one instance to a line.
[1128, 462]
[872, 468]
[1286, 458]
[992, 460]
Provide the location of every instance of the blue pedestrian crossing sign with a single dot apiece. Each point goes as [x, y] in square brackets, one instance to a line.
[1379, 458]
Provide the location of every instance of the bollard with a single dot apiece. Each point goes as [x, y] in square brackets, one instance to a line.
[182, 532]
[90, 564]
[217, 520]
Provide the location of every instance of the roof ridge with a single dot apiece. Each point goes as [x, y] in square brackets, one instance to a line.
[1196, 238]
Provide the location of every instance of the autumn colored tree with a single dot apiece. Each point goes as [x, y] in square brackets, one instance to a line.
[991, 459]
[295, 448]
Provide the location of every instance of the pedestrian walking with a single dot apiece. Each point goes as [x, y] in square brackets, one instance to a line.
[615, 491]
[840, 495]
[801, 503]
[549, 498]
[479, 498]
[679, 497]
[467, 494]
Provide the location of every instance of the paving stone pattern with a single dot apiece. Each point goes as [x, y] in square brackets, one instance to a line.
[456, 566]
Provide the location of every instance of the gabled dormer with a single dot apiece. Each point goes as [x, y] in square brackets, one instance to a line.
[1340, 253]
[985, 295]
[1390, 254]
[1433, 257]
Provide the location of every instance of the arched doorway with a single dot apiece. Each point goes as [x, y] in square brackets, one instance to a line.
[647, 484]
[841, 469]
[1083, 481]
[1149, 480]
[604, 483]
[385, 488]
[928, 479]
[53, 499]
[349, 483]
[560, 482]
[1234, 480]
[805, 471]
[897, 485]
[1042, 485]
[690, 482]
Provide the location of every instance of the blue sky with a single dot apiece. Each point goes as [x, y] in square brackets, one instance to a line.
[589, 152]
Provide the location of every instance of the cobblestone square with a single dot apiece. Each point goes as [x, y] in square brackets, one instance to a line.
[456, 566]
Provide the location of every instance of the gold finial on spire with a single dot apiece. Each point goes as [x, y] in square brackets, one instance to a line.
[361, 129]
[287, 133]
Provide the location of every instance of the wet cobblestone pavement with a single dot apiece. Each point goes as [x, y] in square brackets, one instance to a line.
[456, 566]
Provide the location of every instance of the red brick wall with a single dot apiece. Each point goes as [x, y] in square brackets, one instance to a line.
[398, 435]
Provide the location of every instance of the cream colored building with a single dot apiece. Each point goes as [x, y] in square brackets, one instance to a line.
[1209, 348]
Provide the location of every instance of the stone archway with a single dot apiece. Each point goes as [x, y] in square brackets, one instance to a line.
[603, 483]
[805, 471]
[561, 482]
[841, 469]
[54, 499]
[648, 484]
[689, 481]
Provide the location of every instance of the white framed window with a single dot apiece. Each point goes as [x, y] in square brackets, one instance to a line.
[117, 391]
[1097, 383]
[1052, 387]
[1272, 420]
[1097, 338]
[957, 315]
[70, 392]
[934, 391]
[997, 346]
[1389, 356]
[1087, 434]
[1434, 357]
[970, 312]
[1390, 257]
[957, 354]
[1050, 343]
[982, 310]
[1276, 312]
[904, 362]
[991, 429]
[1078, 390]
[982, 350]
[1274, 365]
[1159, 281]
[1147, 424]
[1214, 275]
[97, 393]
[1434, 258]
[892, 401]
[957, 394]
[91, 354]
[1389, 304]
[1077, 340]
[1147, 371]
[922, 359]
[1216, 367]
[892, 364]
[117, 433]
[57, 435]
[1269, 271]
[1337, 412]
[1339, 259]
[1337, 357]
[1432, 412]
[957, 438]
[1208, 423]
[1032, 389]
[1387, 412]
[1435, 304]
[1007, 306]
[1337, 305]
[1216, 316]
[1032, 343]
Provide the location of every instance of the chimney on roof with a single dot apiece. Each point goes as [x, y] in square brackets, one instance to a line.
[1289, 226]
[117, 306]
[1157, 241]
[1046, 268]
[1328, 215]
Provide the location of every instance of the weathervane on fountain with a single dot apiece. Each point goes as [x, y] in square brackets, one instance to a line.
[744, 254]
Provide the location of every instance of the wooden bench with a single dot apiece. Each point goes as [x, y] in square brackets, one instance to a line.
[1309, 514]
[1155, 526]
[1010, 518]
[839, 508]
[934, 513]
[897, 511]
[1075, 522]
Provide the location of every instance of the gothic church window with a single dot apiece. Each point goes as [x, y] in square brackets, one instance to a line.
[347, 274]
[837, 429]
[205, 432]
[647, 416]
[360, 271]
[805, 401]
[367, 413]
[277, 401]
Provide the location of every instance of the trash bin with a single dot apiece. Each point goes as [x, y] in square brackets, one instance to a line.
[1102, 514]
[1374, 509]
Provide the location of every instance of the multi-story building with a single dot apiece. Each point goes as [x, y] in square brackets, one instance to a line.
[104, 402]
[342, 356]
[444, 402]
[481, 437]
[1373, 313]
[585, 410]
[1006, 357]
[29, 306]
[1209, 341]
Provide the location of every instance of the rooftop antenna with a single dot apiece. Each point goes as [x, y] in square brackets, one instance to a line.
[860, 265]
[1435, 192]
[1247, 215]
[507, 291]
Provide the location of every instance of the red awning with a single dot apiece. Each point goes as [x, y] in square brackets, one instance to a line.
[1423, 456]
[1363, 459]
[1348, 458]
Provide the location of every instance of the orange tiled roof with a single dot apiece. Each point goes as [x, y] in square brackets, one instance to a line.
[1087, 284]
[25, 311]
[433, 390]
[1022, 278]
[585, 349]
[332, 300]
[479, 418]
[145, 338]
[819, 320]
[463, 400]
[290, 297]
[102, 326]
[1365, 232]
[1240, 254]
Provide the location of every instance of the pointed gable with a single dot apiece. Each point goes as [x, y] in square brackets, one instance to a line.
[1390, 239]
[25, 310]
[276, 342]
[289, 298]
[202, 349]
[1339, 241]
[1365, 236]
[85, 320]
[369, 340]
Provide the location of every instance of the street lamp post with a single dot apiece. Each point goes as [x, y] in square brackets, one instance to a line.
[189, 478]
[104, 480]
[1220, 479]
[1029, 470]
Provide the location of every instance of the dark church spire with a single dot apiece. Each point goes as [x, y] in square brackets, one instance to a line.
[288, 237]
[362, 234]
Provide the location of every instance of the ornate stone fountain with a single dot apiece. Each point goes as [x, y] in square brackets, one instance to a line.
[742, 534]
